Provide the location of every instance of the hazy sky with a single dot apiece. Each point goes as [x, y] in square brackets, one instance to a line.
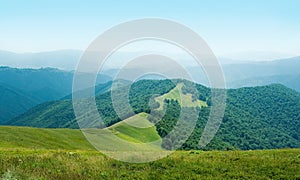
[234, 29]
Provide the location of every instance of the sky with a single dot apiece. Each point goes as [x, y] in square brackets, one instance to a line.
[252, 29]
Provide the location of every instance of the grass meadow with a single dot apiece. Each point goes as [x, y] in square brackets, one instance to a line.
[90, 164]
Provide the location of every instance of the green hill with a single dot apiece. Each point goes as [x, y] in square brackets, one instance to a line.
[22, 89]
[136, 129]
[265, 117]
[45, 138]
[55, 114]
[185, 100]
[101, 88]
[60, 114]
[46, 84]
[41, 138]
[133, 134]
[14, 102]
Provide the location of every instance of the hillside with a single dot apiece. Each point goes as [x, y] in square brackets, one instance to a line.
[143, 131]
[14, 102]
[45, 84]
[246, 73]
[41, 138]
[262, 69]
[22, 89]
[136, 129]
[101, 88]
[185, 100]
[263, 117]
[291, 81]
[284, 71]
[61, 114]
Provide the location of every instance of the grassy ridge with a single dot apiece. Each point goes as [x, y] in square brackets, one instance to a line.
[28, 137]
[132, 134]
[41, 138]
[136, 129]
[62, 164]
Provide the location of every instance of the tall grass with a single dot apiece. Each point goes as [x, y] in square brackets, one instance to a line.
[84, 164]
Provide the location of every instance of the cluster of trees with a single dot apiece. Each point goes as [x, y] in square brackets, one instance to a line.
[263, 117]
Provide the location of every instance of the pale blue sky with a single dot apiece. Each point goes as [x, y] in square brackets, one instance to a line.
[230, 27]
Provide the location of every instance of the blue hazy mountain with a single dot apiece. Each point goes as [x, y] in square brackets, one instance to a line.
[237, 73]
[22, 89]
[14, 102]
[284, 71]
[244, 74]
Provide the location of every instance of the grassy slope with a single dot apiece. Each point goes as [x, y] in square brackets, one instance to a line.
[185, 100]
[40, 138]
[134, 133]
[11, 137]
[136, 129]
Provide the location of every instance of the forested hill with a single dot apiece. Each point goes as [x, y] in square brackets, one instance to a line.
[22, 89]
[263, 117]
[14, 102]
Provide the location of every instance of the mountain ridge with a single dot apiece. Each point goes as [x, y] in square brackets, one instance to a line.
[254, 128]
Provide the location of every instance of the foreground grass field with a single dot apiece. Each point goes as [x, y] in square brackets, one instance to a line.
[84, 164]
[33, 153]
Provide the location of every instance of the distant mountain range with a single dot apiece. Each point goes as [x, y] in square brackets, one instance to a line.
[246, 74]
[62, 59]
[36, 86]
[237, 73]
[30, 87]
[284, 71]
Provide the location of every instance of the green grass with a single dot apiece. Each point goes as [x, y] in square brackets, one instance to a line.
[136, 129]
[185, 100]
[32, 153]
[64, 164]
[133, 134]
[42, 138]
